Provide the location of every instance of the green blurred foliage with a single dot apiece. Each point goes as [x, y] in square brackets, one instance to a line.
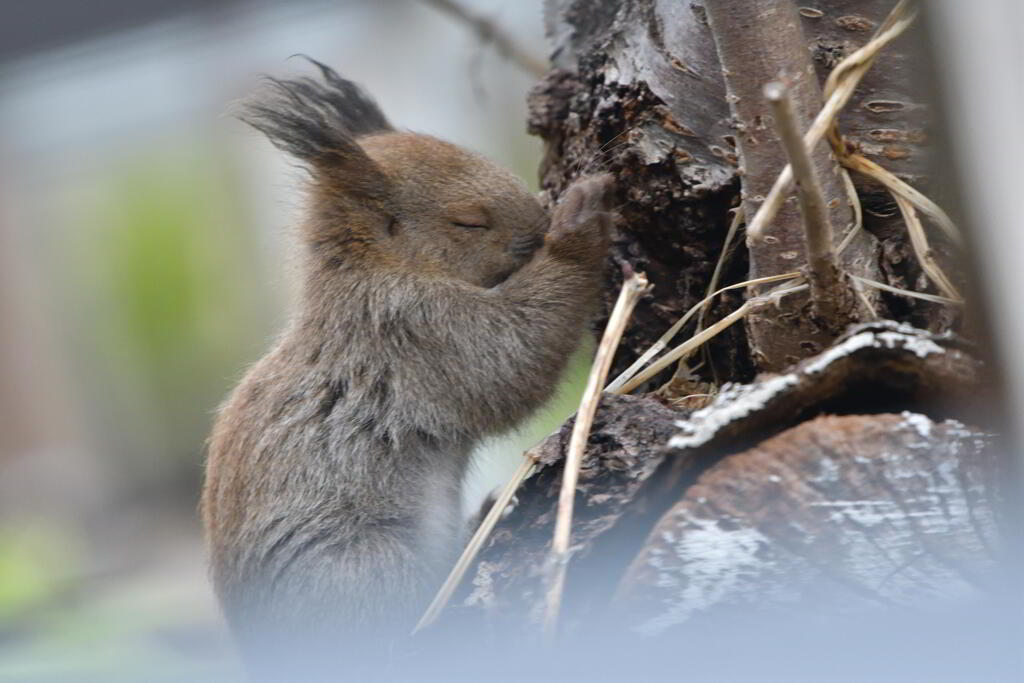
[58, 622]
[164, 299]
[34, 562]
[171, 297]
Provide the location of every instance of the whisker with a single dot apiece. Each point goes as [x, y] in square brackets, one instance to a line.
[587, 164]
[605, 155]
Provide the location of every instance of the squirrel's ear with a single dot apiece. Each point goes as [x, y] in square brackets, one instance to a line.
[318, 123]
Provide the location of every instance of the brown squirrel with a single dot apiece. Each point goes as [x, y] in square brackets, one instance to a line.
[439, 305]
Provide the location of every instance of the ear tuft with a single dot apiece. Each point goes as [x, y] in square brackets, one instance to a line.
[314, 120]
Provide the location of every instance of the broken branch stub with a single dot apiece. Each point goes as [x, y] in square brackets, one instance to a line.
[833, 301]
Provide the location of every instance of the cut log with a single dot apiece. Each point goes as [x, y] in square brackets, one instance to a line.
[837, 515]
[883, 498]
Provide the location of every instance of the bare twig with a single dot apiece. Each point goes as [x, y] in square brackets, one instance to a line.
[839, 88]
[738, 217]
[489, 32]
[919, 242]
[827, 291]
[634, 286]
[662, 343]
[472, 548]
[695, 342]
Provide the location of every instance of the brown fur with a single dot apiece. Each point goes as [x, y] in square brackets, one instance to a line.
[335, 467]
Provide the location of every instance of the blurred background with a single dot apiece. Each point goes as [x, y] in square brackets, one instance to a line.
[145, 261]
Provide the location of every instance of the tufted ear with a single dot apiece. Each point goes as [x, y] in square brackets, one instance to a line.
[318, 121]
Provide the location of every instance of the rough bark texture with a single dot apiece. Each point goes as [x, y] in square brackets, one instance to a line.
[626, 447]
[886, 500]
[637, 90]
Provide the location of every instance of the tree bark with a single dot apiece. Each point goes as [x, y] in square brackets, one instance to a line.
[637, 90]
[892, 501]
[891, 119]
[760, 41]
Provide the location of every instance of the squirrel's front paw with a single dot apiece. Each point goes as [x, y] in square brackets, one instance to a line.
[582, 217]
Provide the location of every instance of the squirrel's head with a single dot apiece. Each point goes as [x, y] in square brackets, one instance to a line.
[383, 198]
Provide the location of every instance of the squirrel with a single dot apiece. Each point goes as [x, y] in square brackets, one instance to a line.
[439, 305]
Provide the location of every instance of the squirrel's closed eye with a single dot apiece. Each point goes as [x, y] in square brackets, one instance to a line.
[471, 217]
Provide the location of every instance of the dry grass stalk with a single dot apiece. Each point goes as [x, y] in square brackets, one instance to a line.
[738, 218]
[827, 288]
[472, 548]
[919, 242]
[868, 311]
[716, 275]
[858, 212]
[662, 343]
[899, 188]
[839, 88]
[687, 348]
[899, 18]
[934, 298]
[632, 289]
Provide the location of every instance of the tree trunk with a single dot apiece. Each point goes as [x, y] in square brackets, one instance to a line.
[760, 41]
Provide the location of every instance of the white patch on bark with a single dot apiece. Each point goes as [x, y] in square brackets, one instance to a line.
[732, 403]
[738, 401]
[483, 587]
[891, 547]
[709, 565]
[921, 424]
